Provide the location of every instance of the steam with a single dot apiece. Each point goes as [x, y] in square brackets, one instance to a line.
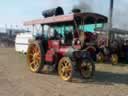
[83, 6]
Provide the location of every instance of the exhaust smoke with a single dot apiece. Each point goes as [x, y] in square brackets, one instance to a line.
[83, 6]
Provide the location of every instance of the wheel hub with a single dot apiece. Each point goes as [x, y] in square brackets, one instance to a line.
[35, 56]
[66, 69]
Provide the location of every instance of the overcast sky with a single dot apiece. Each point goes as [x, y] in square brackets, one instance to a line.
[15, 12]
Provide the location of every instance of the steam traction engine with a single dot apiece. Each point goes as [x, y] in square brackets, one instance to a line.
[116, 49]
[62, 46]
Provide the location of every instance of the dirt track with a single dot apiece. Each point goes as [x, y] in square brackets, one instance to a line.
[17, 80]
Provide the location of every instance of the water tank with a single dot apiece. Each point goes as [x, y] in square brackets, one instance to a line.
[53, 12]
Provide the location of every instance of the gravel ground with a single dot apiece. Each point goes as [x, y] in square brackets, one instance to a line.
[17, 80]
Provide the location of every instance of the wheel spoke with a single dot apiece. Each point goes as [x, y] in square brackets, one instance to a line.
[32, 63]
[67, 64]
[36, 65]
[66, 74]
[61, 71]
[86, 73]
[36, 61]
[66, 71]
[88, 65]
[31, 55]
[38, 54]
[83, 65]
[38, 58]
[70, 69]
[33, 49]
[63, 64]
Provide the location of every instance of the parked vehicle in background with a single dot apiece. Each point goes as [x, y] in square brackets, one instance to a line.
[117, 48]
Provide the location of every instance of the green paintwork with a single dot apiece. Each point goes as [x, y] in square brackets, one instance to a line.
[86, 28]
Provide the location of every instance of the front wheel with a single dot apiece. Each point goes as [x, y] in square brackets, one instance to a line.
[65, 68]
[87, 69]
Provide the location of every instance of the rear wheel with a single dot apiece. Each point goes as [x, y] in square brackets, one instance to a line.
[65, 68]
[87, 69]
[114, 59]
[35, 57]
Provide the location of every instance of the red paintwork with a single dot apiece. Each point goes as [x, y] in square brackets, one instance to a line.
[49, 57]
[63, 50]
[55, 47]
[77, 46]
[55, 44]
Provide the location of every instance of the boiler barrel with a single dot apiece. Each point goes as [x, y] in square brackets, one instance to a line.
[53, 12]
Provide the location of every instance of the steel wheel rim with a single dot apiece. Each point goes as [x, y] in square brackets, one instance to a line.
[100, 57]
[86, 69]
[65, 69]
[34, 57]
[114, 59]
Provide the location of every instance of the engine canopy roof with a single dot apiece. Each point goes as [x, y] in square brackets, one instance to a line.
[89, 18]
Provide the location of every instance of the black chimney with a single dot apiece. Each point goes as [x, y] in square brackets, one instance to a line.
[76, 10]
